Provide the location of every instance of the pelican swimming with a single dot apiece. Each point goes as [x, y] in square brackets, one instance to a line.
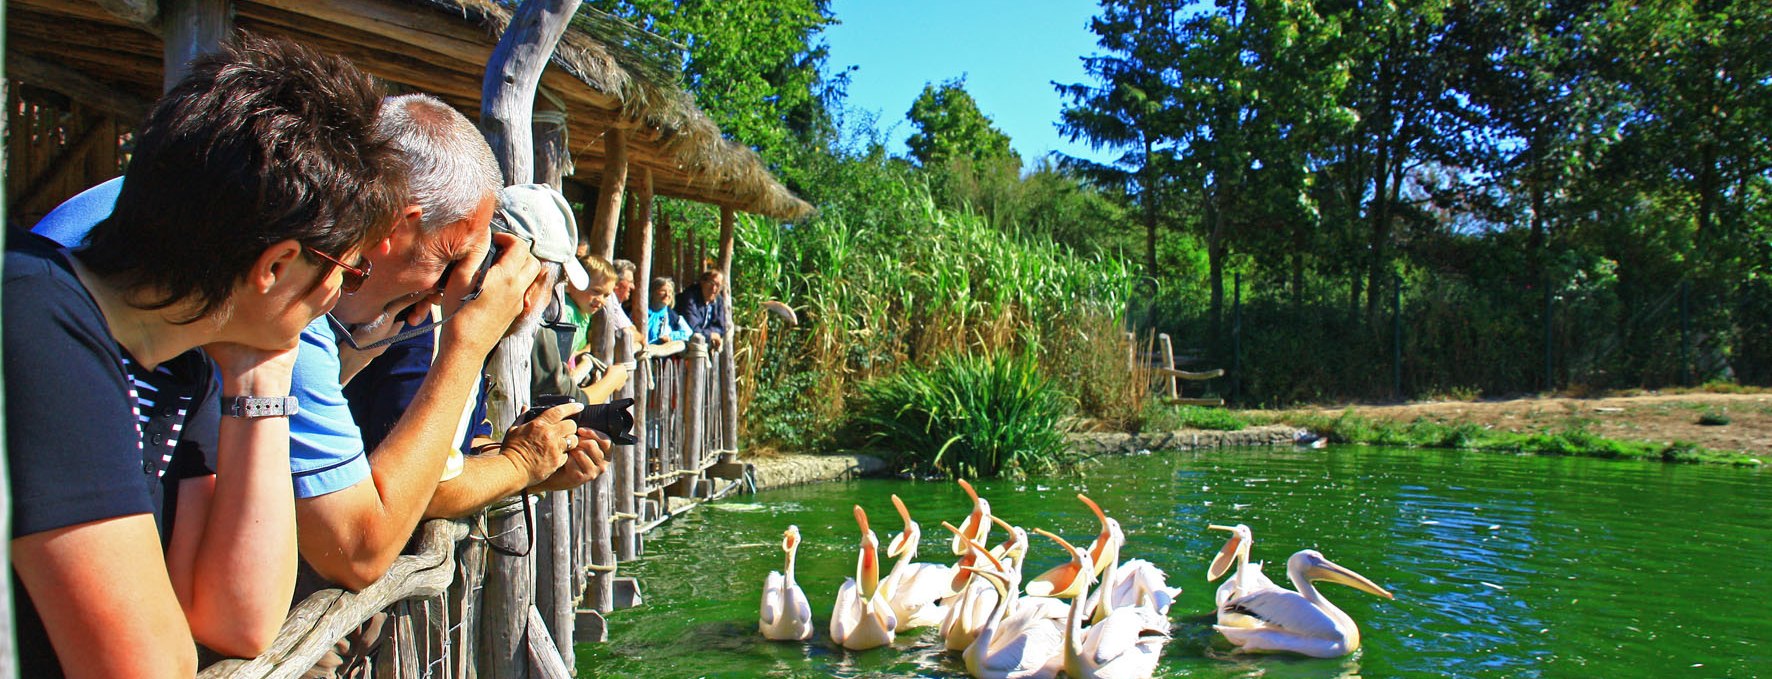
[1248, 577]
[1014, 642]
[862, 618]
[1125, 644]
[968, 609]
[786, 615]
[1134, 583]
[914, 590]
[1303, 621]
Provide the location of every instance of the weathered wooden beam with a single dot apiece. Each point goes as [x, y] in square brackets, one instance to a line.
[507, 95]
[192, 28]
[695, 397]
[78, 86]
[621, 464]
[639, 246]
[1186, 375]
[555, 595]
[98, 130]
[609, 195]
[142, 13]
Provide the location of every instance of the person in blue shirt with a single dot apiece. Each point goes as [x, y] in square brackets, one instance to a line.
[663, 324]
[149, 487]
[703, 307]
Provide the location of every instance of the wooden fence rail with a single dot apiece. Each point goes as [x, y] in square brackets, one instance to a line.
[447, 605]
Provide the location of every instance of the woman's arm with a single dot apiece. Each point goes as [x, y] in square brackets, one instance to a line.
[232, 556]
[106, 608]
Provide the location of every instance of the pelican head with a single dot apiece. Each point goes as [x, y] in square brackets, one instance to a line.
[1106, 548]
[1014, 549]
[905, 545]
[977, 552]
[977, 526]
[1314, 566]
[867, 562]
[1237, 547]
[1066, 580]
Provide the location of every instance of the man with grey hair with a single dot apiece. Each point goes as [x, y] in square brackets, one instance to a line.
[356, 509]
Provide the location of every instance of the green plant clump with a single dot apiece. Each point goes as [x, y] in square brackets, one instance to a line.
[1713, 418]
[965, 416]
[1170, 418]
[1575, 440]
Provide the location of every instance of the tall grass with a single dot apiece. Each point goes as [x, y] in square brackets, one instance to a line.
[965, 416]
[887, 279]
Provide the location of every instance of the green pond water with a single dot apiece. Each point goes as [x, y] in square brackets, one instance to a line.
[1503, 566]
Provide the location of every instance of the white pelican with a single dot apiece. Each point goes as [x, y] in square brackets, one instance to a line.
[786, 615]
[1134, 583]
[862, 619]
[967, 610]
[1247, 579]
[1126, 644]
[1013, 643]
[977, 526]
[1301, 622]
[914, 590]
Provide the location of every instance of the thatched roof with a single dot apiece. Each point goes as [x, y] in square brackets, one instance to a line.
[435, 46]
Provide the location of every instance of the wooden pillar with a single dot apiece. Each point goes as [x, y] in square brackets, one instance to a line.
[621, 467]
[615, 182]
[728, 386]
[600, 595]
[695, 390]
[507, 96]
[555, 590]
[639, 249]
[191, 28]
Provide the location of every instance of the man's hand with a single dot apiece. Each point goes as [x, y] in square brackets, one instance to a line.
[538, 447]
[584, 463]
[504, 295]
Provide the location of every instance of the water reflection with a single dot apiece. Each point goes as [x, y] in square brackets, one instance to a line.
[1502, 566]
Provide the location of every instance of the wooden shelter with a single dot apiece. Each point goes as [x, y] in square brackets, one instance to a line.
[106, 58]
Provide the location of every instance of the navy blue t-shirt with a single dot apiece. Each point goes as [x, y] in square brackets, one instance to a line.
[383, 390]
[80, 446]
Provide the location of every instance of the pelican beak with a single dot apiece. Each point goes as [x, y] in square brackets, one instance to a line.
[1098, 549]
[976, 526]
[1011, 547]
[1226, 555]
[790, 540]
[1064, 581]
[974, 552]
[867, 562]
[1329, 571]
[906, 542]
[998, 580]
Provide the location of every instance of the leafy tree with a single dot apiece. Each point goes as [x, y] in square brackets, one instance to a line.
[950, 126]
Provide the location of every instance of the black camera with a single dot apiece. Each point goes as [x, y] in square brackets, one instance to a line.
[612, 419]
[492, 253]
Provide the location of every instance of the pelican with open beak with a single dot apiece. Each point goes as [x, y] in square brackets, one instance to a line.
[1302, 621]
[977, 526]
[914, 590]
[1247, 579]
[1134, 583]
[1013, 641]
[1126, 644]
[786, 615]
[862, 618]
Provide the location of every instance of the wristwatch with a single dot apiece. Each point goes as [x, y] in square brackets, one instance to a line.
[260, 406]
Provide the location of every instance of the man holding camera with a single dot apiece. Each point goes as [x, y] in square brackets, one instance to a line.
[356, 509]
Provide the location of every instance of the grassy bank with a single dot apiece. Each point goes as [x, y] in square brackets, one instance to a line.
[1573, 437]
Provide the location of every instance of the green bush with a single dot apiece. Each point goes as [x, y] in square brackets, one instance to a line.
[1713, 418]
[965, 416]
[1170, 418]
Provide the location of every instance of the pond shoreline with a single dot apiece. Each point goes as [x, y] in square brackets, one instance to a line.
[781, 471]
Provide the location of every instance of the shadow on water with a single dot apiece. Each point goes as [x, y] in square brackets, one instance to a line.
[1503, 566]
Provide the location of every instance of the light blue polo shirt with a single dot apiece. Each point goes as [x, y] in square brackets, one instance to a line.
[325, 446]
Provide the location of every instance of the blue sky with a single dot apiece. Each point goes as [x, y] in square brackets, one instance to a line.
[1010, 53]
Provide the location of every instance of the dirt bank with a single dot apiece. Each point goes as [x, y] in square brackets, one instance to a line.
[1660, 419]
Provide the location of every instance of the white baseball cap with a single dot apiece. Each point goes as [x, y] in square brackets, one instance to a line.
[539, 214]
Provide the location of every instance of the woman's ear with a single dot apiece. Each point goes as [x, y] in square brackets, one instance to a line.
[275, 265]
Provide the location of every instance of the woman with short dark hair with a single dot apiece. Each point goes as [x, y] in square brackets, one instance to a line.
[148, 370]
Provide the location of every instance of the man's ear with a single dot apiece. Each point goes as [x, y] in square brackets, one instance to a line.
[274, 265]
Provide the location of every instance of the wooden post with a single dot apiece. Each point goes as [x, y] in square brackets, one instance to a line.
[728, 387]
[8, 637]
[191, 28]
[601, 593]
[556, 592]
[1169, 362]
[639, 250]
[621, 466]
[695, 391]
[1131, 353]
[507, 96]
[615, 182]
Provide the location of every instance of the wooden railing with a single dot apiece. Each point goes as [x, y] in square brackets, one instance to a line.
[471, 600]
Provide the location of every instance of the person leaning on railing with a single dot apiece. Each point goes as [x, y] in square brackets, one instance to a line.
[703, 308]
[150, 487]
[663, 324]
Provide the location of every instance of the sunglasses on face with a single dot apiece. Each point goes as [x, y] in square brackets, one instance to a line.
[353, 276]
